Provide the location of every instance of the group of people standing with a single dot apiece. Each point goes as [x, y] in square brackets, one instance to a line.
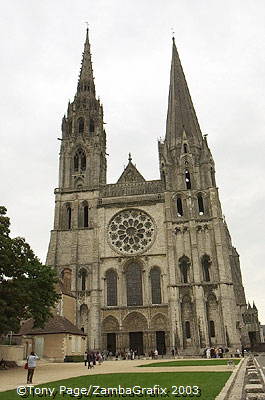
[215, 352]
[92, 358]
[218, 352]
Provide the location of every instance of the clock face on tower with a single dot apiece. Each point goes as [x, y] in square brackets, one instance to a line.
[131, 232]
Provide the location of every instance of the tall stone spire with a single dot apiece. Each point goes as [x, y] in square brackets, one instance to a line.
[181, 115]
[86, 78]
[83, 150]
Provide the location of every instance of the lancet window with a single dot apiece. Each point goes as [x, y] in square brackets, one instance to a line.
[206, 263]
[111, 280]
[184, 264]
[134, 285]
[91, 126]
[179, 207]
[200, 204]
[187, 179]
[79, 161]
[81, 125]
[83, 278]
[155, 277]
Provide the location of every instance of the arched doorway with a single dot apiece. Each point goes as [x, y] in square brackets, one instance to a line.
[110, 328]
[159, 327]
[136, 325]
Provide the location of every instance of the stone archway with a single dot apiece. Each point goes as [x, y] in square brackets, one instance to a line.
[214, 328]
[134, 321]
[110, 329]
[135, 329]
[110, 324]
[159, 327]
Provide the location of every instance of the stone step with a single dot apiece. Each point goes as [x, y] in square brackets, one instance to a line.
[253, 388]
[255, 381]
[255, 396]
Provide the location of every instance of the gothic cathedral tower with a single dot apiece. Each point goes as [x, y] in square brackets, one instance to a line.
[150, 263]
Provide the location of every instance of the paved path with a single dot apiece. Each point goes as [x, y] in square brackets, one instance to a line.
[48, 372]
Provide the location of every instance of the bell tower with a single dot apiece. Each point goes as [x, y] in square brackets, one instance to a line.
[201, 294]
[185, 158]
[83, 149]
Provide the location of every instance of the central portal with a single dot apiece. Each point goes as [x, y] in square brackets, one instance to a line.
[136, 342]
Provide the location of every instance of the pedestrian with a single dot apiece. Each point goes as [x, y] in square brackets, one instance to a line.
[220, 352]
[31, 359]
[208, 352]
[90, 360]
[85, 358]
[100, 358]
[94, 358]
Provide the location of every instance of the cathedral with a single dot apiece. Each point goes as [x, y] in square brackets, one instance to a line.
[149, 264]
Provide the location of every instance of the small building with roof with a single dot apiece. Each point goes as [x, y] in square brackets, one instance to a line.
[56, 340]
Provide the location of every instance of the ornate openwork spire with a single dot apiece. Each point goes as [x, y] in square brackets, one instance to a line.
[86, 79]
[181, 115]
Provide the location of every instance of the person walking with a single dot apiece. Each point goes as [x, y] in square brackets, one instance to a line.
[32, 358]
[90, 360]
[85, 358]
[208, 352]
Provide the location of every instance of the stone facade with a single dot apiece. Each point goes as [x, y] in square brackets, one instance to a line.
[150, 263]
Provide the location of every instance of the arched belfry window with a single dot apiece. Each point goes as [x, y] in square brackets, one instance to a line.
[213, 177]
[81, 125]
[134, 284]
[83, 219]
[185, 148]
[91, 126]
[76, 162]
[79, 161]
[69, 217]
[206, 264]
[187, 179]
[111, 280]
[184, 264]
[179, 207]
[83, 278]
[85, 216]
[70, 126]
[83, 161]
[66, 276]
[200, 204]
[155, 277]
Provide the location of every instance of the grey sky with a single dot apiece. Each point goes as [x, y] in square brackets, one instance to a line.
[221, 46]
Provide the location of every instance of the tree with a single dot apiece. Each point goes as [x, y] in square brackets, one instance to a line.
[27, 288]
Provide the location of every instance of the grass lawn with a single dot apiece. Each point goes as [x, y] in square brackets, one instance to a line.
[210, 384]
[191, 363]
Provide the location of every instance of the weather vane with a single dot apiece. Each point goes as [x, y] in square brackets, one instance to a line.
[173, 32]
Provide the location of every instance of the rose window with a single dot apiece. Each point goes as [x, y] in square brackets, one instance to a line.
[131, 231]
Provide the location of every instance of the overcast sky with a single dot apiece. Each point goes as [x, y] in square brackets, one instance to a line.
[221, 46]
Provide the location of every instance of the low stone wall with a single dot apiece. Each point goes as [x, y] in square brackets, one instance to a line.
[11, 353]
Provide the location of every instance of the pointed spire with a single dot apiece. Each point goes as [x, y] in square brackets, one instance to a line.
[181, 114]
[254, 306]
[86, 72]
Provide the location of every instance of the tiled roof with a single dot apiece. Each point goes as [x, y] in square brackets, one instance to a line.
[56, 324]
